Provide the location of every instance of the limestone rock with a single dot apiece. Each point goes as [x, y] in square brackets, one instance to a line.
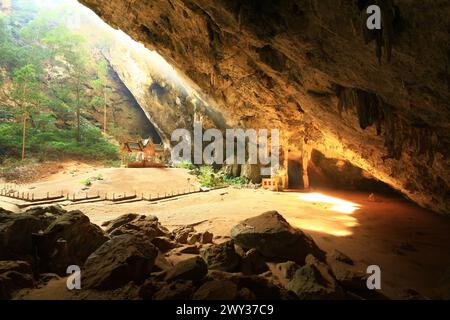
[14, 275]
[16, 230]
[178, 290]
[255, 286]
[161, 263]
[122, 259]
[18, 266]
[193, 238]
[315, 281]
[253, 263]
[149, 288]
[287, 269]
[206, 237]
[70, 239]
[182, 234]
[217, 290]
[274, 238]
[164, 244]
[142, 225]
[221, 257]
[192, 249]
[193, 269]
[120, 221]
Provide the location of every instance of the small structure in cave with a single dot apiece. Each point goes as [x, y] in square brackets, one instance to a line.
[143, 154]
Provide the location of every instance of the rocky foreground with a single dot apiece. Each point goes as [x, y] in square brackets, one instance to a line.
[132, 258]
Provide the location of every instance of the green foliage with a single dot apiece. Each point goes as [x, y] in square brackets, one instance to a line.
[87, 182]
[33, 47]
[56, 144]
[235, 181]
[185, 164]
[208, 177]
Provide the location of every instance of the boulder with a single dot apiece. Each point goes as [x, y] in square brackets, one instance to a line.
[143, 225]
[178, 290]
[201, 237]
[315, 281]
[70, 239]
[287, 269]
[120, 221]
[181, 234]
[275, 238]
[122, 259]
[149, 288]
[217, 290]
[192, 249]
[14, 275]
[253, 263]
[194, 238]
[221, 257]
[346, 273]
[258, 287]
[18, 266]
[206, 237]
[46, 211]
[16, 231]
[193, 269]
[164, 244]
[161, 263]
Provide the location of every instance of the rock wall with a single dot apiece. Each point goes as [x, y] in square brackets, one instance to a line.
[167, 101]
[303, 66]
[125, 117]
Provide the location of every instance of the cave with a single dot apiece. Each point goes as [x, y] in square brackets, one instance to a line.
[355, 207]
[295, 175]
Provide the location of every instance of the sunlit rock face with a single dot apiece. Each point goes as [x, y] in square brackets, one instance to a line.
[303, 66]
[168, 102]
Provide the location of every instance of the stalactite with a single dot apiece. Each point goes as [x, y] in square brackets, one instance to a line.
[371, 110]
[367, 106]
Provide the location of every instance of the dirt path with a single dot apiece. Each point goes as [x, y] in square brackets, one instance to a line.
[411, 245]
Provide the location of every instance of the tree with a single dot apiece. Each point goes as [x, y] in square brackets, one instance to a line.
[69, 53]
[101, 84]
[26, 95]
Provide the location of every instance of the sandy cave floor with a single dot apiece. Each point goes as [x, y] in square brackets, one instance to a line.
[410, 244]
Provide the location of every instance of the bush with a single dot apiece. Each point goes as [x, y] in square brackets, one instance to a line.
[235, 181]
[185, 164]
[208, 177]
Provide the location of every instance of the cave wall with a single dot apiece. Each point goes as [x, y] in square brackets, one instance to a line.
[304, 67]
[165, 102]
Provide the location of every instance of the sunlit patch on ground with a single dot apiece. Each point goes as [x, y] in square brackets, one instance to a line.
[329, 203]
[326, 214]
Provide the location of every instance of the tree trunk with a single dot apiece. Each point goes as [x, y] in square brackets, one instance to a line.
[78, 112]
[24, 135]
[104, 115]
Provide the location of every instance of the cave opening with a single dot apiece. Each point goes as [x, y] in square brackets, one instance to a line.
[340, 174]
